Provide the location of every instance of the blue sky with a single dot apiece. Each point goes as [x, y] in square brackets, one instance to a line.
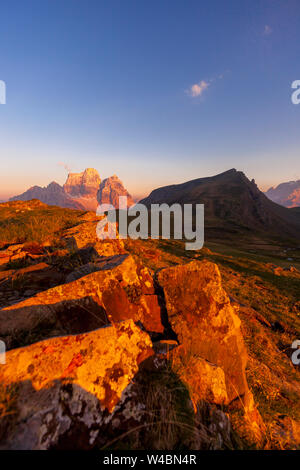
[157, 92]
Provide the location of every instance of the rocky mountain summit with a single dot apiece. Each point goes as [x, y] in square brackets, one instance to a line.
[83, 187]
[109, 191]
[286, 194]
[80, 191]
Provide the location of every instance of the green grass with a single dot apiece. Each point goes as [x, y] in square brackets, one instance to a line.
[41, 223]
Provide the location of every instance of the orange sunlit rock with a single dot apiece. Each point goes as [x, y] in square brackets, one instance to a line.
[68, 381]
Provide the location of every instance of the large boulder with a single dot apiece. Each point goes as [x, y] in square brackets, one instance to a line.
[200, 313]
[59, 392]
[116, 289]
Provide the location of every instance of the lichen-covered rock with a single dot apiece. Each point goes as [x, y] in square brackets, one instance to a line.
[66, 387]
[12, 253]
[120, 289]
[201, 315]
[205, 380]
[22, 252]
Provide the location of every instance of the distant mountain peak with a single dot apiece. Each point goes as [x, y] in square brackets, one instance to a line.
[286, 194]
[84, 184]
[110, 190]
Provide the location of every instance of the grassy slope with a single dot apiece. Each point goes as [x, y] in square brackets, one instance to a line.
[22, 222]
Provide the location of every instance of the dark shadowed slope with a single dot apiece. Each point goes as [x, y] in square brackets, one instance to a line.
[233, 203]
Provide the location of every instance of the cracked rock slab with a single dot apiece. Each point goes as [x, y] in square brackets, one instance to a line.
[62, 389]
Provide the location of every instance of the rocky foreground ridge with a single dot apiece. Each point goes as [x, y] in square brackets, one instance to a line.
[105, 352]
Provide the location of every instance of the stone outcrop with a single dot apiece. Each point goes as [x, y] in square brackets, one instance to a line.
[116, 289]
[109, 191]
[21, 252]
[64, 389]
[84, 235]
[212, 357]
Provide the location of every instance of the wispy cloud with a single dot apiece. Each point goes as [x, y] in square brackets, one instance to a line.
[267, 30]
[197, 89]
[65, 166]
